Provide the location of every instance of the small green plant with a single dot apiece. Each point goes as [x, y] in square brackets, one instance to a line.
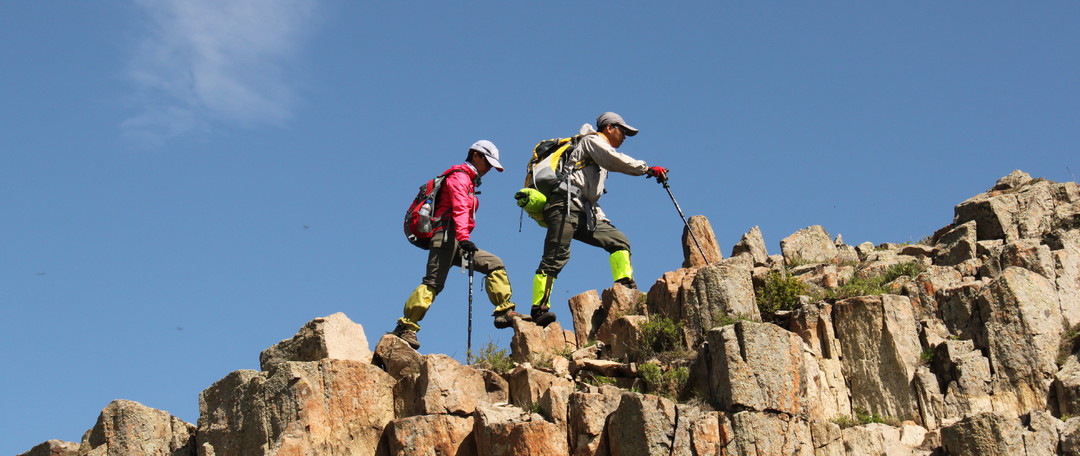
[533, 407]
[721, 318]
[910, 269]
[927, 356]
[657, 335]
[795, 262]
[780, 292]
[1068, 345]
[668, 383]
[497, 359]
[541, 360]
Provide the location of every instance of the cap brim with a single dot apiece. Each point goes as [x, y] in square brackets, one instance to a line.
[630, 131]
[494, 163]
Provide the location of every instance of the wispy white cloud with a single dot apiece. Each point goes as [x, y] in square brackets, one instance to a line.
[209, 62]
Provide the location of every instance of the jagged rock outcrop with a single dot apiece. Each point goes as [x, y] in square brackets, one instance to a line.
[54, 448]
[311, 407]
[965, 343]
[701, 248]
[334, 337]
[128, 427]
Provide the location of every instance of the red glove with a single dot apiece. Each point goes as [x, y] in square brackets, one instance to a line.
[660, 173]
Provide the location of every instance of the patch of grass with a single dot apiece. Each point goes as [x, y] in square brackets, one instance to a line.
[657, 335]
[857, 286]
[862, 417]
[497, 359]
[878, 284]
[668, 383]
[910, 269]
[779, 292]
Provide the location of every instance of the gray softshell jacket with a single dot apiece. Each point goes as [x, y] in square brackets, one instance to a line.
[587, 185]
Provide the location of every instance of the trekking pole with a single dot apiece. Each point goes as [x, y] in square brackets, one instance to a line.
[468, 343]
[688, 229]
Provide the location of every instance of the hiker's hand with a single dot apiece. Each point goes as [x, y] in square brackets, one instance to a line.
[660, 173]
[468, 246]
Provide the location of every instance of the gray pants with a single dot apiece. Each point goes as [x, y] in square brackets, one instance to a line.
[563, 228]
[446, 255]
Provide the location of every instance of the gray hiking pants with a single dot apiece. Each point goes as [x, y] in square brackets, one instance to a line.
[562, 229]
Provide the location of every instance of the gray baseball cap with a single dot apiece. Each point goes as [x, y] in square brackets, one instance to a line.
[608, 118]
[489, 151]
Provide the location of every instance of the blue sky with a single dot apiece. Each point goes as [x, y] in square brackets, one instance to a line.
[185, 183]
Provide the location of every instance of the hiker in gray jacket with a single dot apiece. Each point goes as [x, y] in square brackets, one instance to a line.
[573, 210]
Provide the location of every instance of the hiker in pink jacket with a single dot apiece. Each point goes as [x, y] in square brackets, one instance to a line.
[455, 209]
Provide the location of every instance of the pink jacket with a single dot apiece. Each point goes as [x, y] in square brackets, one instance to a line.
[458, 200]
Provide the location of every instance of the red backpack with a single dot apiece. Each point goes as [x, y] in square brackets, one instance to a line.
[420, 221]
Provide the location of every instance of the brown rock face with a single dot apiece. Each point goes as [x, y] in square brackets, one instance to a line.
[584, 310]
[616, 302]
[325, 407]
[397, 357]
[984, 434]
[757, 366]
[588, 414]
[528, 385]
[443, 386]
[509, 431]
[880, 342]
[1022, 332]
[721, 289]
[531, 342]
[642, 424]
[127, 427]
[431, 435]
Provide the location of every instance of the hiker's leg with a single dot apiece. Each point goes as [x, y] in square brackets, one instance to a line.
[496, 281]
[560, 233]
[438, 266]
[615, 242]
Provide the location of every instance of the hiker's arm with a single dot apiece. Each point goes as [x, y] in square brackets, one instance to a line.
[458, 185]
[612, 160]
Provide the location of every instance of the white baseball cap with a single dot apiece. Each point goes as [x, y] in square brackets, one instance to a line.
[489, 151]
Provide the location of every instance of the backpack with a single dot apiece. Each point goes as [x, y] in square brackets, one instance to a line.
[420, 222]
[548, 168]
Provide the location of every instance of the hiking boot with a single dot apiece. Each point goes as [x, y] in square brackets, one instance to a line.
[542, 316]
[407, 335]
[505, 319]
[627, 282]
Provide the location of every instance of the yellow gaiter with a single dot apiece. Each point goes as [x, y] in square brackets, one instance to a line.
[497, 285]
[416, 306]
[620, 266]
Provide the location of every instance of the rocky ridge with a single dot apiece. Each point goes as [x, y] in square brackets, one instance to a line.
[964, 343]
